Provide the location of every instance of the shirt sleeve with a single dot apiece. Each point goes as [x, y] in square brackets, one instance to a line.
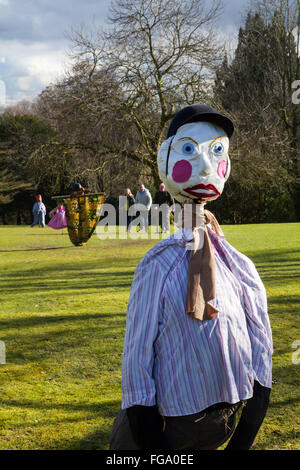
[143, 317]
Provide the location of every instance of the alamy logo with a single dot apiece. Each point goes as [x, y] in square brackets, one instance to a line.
[296, 354]
[138, 218]
[2, 353]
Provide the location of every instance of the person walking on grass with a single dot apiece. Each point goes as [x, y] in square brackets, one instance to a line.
[164, 203]
[129, 203]
[39, 212]
[144, 198]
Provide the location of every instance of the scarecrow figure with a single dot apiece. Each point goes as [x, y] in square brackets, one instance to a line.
[58, 217]
[83, 211]
[198, 342]
[39, 212]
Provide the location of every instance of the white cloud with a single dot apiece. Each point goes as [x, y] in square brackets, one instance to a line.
[33, 44]
[24, 83]
[47, 63]
[28, 68]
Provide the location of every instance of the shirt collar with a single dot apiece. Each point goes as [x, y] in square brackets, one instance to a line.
[184, 236]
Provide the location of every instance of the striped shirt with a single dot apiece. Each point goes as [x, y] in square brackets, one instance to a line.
[184, 365]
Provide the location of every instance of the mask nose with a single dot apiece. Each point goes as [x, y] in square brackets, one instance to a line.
[205, 165]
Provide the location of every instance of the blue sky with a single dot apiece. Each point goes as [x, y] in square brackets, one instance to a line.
[33, 43]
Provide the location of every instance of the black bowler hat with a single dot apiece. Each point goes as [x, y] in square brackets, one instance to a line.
[200, 112]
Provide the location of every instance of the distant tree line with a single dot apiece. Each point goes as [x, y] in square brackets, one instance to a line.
[103, 122]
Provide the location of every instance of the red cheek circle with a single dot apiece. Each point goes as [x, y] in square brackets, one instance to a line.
[182, 171]
[222, 168]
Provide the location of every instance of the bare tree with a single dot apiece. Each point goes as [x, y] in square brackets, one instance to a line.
[162, 54]
[88, 143]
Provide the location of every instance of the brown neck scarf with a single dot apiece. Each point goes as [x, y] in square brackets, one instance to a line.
[201, 274]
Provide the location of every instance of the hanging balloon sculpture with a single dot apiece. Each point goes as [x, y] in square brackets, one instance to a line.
[83, 211]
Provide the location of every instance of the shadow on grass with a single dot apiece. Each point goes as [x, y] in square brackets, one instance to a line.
[74, 275]
[276, 264]
[271, 264]
[56, 339]
[77, 266]
[287, 374]
[276, 255]
[284, 403]
[94, 342]
[74, 283]
[37, 249]
[48, 234]
[284, 305]
[283, 300]
[97, 440]
[36, 321]
[108, 409]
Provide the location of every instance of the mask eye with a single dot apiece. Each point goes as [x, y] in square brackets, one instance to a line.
[218, 148]
[188, 148]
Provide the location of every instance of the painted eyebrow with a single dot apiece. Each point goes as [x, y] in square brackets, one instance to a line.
[189, 138]
[197, 143]
[221, 137]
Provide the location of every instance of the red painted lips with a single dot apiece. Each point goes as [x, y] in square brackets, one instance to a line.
[203, 190]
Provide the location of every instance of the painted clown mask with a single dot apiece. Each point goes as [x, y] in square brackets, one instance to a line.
[194, 163]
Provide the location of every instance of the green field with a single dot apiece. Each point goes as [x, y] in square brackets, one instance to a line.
[62, 318]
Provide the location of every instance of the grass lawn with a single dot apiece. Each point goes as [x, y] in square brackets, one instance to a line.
[62, 318]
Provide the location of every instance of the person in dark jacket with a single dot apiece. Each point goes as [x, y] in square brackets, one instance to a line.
[164, 199]
[130, 202]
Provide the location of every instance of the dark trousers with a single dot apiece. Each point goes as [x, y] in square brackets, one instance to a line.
[206, 430]
[129, 220]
